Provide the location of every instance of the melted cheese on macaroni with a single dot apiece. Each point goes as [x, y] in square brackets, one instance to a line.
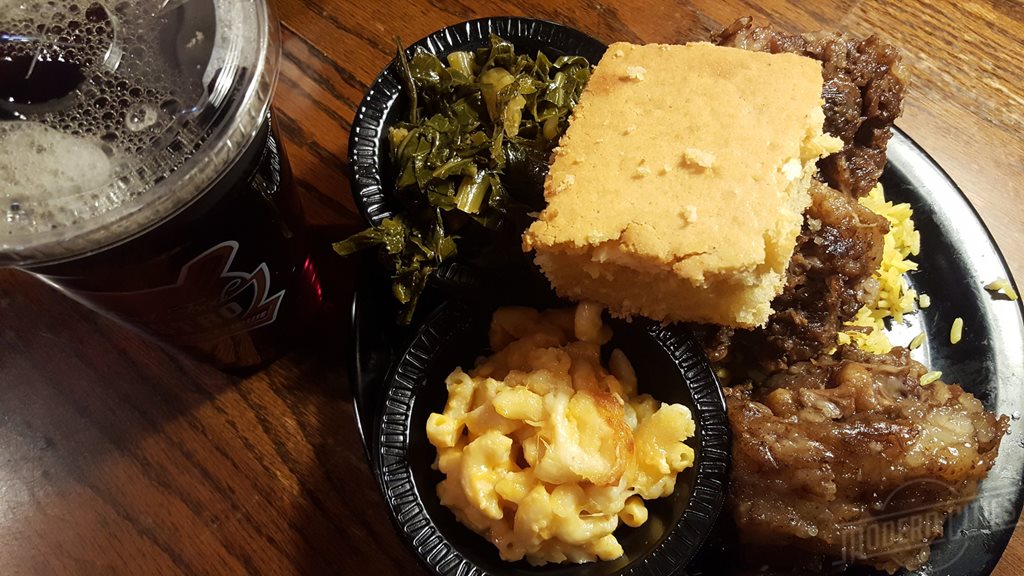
[545, 451]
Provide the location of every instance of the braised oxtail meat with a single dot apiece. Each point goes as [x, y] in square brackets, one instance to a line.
[716, 340]
[828, 280]
[850, 457]
[863, 91]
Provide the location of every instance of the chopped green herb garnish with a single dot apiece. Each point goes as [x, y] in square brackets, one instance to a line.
[475, 130]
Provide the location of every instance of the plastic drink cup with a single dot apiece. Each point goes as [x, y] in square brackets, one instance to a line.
[142, 175]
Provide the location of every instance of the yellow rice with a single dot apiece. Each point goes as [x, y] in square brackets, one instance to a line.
[895, 298]
[1002, 285]
[956, 332]
[917, 341]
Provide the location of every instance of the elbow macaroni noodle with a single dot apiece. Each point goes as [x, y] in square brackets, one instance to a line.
[544, 451]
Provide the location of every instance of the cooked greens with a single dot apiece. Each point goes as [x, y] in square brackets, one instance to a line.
[475, 125]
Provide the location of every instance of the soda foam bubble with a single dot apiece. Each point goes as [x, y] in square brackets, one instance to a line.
[27, 150]
[129, 124]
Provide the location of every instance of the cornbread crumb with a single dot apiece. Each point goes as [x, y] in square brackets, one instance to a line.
[636, 72]
[792, 169]
[701, 158]
[630, 129]
[618, 54]
[924, 301]
[615, 236]
[689, 214]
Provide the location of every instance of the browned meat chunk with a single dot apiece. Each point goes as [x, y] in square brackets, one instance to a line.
[843, 455]
[828, 280]
[840, 245]
[863, 92]
[827, 451]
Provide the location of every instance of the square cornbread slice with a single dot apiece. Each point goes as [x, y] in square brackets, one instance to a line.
[678, 190]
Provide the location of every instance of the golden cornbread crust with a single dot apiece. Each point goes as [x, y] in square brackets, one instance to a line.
[678, 190]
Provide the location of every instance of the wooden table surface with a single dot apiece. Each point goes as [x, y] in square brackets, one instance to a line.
[119, 457]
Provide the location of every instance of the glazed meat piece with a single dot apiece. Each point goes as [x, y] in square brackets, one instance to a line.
[833, 450]
[864, 85]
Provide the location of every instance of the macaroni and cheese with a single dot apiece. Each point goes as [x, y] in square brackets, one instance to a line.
[545, 451]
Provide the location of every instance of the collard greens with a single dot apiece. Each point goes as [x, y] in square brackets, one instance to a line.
[462, 156]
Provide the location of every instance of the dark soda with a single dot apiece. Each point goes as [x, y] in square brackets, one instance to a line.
[229, 278]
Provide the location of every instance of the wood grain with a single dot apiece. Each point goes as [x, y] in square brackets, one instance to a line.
[120, 457]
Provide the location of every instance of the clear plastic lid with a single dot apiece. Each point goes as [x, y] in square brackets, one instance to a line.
[116, 114]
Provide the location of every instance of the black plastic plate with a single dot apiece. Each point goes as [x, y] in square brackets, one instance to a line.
[958, 257]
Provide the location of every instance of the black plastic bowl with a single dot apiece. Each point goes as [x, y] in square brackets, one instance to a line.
[450, 332]
[378, 341]
[372, 172]
[670, 365]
